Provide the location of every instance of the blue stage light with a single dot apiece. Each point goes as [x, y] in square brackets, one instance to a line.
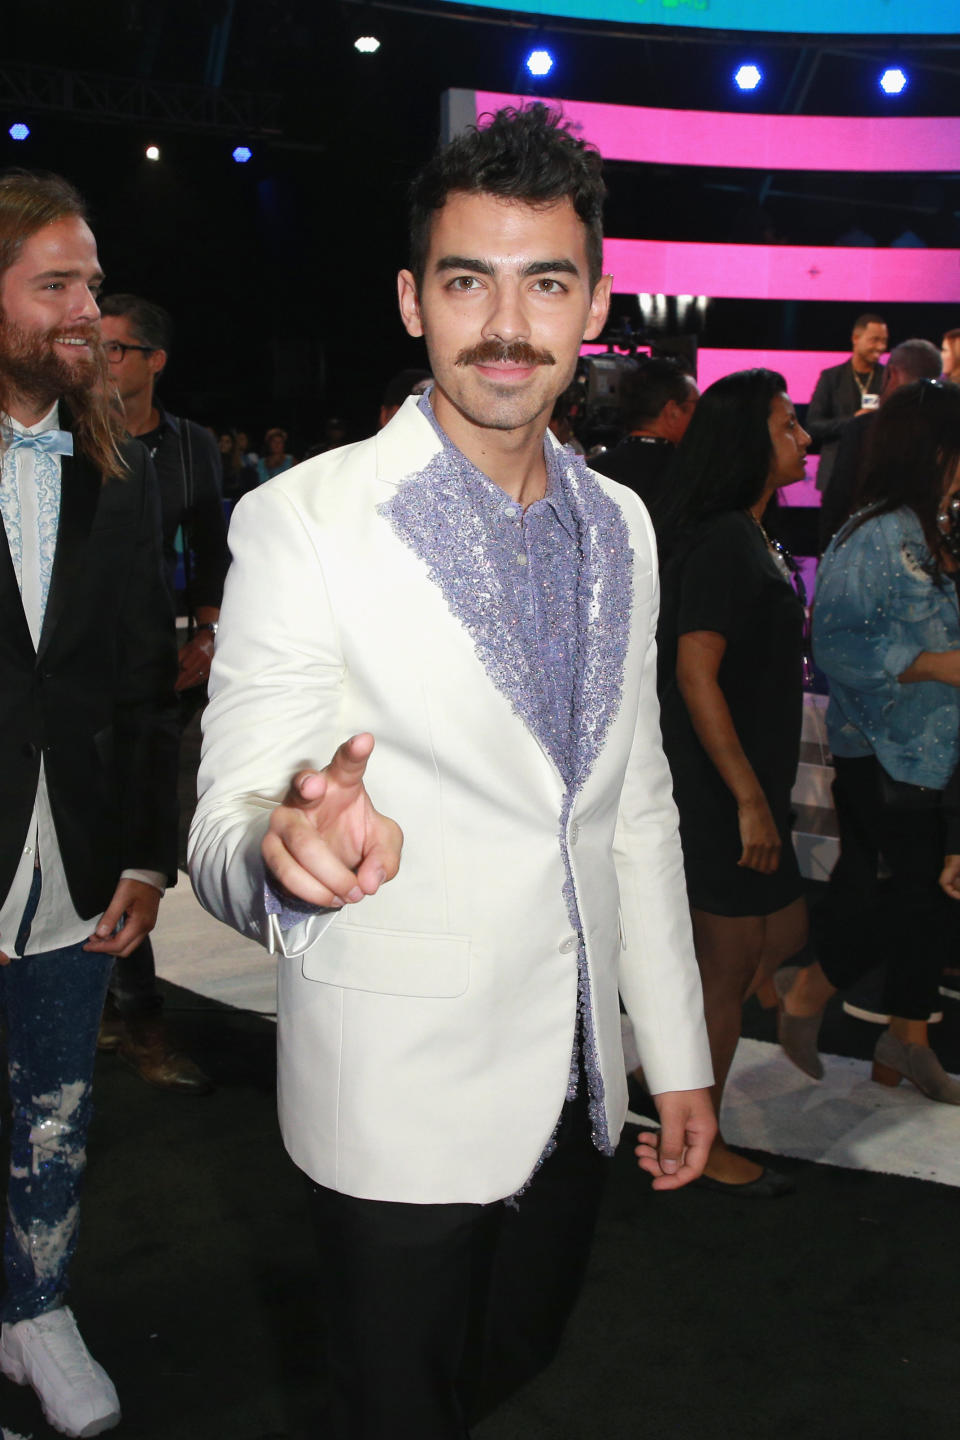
[539, 63]
[893, 81]
[242, 154]
[19, 132]
[748, 77]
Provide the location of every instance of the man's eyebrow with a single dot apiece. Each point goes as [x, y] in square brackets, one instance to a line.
[97, 278]
[463, 262]
[483, 267]
[550, 267]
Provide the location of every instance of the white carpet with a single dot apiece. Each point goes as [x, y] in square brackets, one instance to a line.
[845, 1119]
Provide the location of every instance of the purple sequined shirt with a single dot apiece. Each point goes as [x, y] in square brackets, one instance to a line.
[536, 555]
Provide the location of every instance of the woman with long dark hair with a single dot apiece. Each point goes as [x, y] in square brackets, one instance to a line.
[886, 631]
[731, 668]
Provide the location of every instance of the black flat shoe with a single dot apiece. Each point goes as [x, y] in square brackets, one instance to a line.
[769, 1185]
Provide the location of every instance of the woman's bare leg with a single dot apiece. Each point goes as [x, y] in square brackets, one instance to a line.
[735, 955]
[728, 952]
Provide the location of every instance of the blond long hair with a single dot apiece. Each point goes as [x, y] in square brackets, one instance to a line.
[28, 203]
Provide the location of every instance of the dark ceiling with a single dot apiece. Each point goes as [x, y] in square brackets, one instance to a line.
[280, 273]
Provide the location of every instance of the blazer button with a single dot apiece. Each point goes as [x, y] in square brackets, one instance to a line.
[566, 946]
[30, 750]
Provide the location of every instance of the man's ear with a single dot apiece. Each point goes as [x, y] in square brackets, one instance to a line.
[599, 307]
[409, 303]
[157, 360]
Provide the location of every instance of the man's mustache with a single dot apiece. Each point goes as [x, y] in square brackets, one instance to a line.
[492, 352]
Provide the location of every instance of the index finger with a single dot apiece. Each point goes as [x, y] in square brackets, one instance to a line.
[350, 760]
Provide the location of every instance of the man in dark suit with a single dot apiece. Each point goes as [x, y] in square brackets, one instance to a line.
[841, 391]
[87, 757]
[910, 360]
[137, 337]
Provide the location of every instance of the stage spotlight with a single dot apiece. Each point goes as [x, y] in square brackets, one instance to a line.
[539, 63]
[19, 131]
[242, 154]
[893, 81]
[748, 77]
[152, 152]
[366, 44]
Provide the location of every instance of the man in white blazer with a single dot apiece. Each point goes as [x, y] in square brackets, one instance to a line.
[468, 593]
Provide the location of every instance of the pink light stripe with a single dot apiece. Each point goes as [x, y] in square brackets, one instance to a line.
[759, 142]
[783, 272]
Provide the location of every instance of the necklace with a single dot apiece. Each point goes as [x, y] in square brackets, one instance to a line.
[862, 385]
[783, 560]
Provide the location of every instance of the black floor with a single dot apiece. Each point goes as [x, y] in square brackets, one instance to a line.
[830, 1313]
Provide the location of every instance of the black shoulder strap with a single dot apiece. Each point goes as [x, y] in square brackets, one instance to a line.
[186, 474]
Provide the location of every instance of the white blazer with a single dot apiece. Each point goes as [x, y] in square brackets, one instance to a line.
[425, 1034]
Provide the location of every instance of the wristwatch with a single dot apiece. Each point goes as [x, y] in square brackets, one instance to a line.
[213, 625]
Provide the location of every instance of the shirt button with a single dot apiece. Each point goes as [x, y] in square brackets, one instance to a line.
[28, 849]
[521, 559]
[510, 513]
[566, 946]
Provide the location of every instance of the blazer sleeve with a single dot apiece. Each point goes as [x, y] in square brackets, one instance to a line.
[275, 687]
[659, 978]
[825, 415]
[146, 711]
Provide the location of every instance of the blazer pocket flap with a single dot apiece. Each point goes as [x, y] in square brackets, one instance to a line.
[390, 962]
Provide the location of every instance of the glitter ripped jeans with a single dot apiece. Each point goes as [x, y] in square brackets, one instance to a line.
[50, 1005]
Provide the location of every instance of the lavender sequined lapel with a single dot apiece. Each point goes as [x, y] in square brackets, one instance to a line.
[432, 514]
[605, 604]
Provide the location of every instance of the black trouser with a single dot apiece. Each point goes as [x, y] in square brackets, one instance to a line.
[435, 1313]
[905, 922]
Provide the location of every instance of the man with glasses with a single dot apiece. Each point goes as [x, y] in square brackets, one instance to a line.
[137, 337]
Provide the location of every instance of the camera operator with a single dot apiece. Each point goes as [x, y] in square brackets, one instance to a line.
[657, 401]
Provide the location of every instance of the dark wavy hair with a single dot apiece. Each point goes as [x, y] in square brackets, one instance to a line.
[652, 385]
[723, 460]
[914, 452]
[527, 154]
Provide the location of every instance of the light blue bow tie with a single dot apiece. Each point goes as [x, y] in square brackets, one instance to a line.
[51, 442]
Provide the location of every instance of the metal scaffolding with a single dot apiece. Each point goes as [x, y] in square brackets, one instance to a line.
[112, 99]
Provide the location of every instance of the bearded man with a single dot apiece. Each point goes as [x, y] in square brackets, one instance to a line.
[88, 753]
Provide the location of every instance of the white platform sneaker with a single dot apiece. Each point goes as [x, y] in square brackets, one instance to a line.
[48, 1352]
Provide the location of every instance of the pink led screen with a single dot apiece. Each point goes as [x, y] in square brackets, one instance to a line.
[759, 142]
[783, 272]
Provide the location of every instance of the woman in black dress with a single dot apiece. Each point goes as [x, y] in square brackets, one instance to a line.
[731, 668]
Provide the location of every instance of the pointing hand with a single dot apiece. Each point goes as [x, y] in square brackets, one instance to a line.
[326, 843]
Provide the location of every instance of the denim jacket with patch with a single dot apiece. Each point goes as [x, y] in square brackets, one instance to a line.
[877, 608]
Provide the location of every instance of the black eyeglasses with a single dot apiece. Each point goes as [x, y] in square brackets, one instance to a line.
[116, 349]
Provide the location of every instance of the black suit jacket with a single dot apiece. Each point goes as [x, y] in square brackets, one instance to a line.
[840, 494]
[96, 698]
[836, 400]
